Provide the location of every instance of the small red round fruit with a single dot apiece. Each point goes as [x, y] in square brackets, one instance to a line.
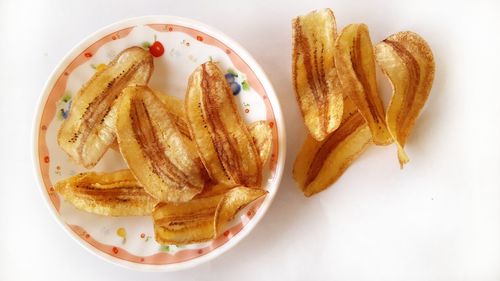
[156, 49]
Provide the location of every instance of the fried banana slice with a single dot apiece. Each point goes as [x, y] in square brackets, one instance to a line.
[320, 164]
[181, 223]
[89, 129]
[232, 202]
[109, 194]
[224, 143]
[407, 60]
[259, 130]
[163, 160]
[201, 219]
[317, 86]
[262, 136]
[356, 69]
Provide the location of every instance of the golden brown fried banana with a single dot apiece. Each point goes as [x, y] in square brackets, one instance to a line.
[200, 219]
[163, 160]
[356, 69]
[224, 143]
[89, 129]
[185, 222]
[407, 60]
[110, 194]
[320, 164]
[317, 86]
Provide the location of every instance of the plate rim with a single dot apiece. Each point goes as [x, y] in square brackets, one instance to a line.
[246, 57]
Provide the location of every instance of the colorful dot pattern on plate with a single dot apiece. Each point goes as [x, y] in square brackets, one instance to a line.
[182, 50]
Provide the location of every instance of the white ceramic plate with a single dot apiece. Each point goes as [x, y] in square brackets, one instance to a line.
[129, 241]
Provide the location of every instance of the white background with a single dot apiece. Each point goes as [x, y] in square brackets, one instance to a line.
[438, 219]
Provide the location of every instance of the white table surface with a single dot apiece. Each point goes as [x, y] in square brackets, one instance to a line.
[438, 219]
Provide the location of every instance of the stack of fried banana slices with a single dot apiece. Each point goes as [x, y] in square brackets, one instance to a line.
[335, 82]
[193, 163]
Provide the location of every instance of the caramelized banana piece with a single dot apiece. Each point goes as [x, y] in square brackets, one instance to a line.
[162, 159]
[320, 164]
[180, 223]
[89, 129]
[201, 219]
[109, 194]
[356, 69]
[317, 86]
[224, 143]
[407, 60]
